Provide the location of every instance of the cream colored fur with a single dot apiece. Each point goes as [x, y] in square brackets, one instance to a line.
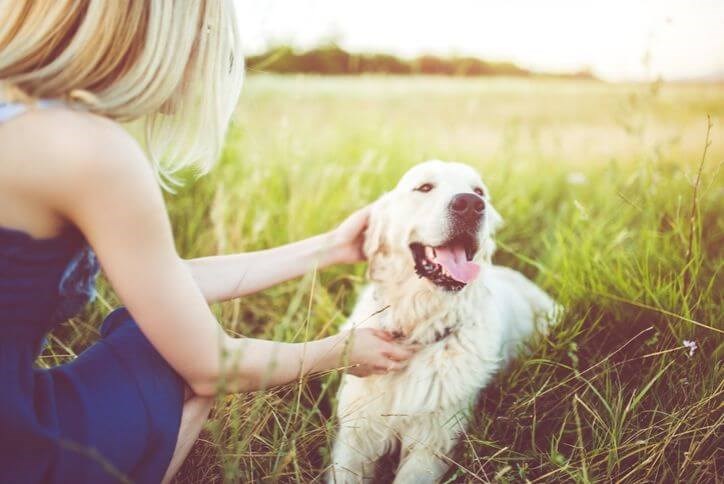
[424, 408]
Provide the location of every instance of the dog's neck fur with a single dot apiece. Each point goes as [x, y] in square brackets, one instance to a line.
[416, 310]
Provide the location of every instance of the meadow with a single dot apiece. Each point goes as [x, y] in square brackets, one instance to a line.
[612, 198]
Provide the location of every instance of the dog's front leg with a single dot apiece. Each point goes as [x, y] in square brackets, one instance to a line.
[425, 449]
[357, 449]
[421, 466]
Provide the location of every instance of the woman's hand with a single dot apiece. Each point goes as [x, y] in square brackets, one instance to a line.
[348, 238]
[374, 352]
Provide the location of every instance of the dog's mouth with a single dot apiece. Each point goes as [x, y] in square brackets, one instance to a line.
[449, 265]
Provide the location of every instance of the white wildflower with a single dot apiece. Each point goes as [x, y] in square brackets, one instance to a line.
[691, 345]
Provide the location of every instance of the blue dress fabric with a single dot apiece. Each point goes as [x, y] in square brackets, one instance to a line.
[110, 415]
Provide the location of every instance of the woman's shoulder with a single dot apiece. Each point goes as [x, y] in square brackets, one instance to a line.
[56, 159]
[71, 147]
[62, 134]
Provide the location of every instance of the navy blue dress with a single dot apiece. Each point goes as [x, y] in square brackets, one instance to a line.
[110, 415]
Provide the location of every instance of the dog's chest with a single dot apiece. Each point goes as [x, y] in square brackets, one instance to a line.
[460, 352]
[443, 376]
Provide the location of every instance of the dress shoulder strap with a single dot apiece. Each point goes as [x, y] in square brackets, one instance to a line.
[10, 110]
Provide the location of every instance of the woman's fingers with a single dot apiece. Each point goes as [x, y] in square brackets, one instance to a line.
[397, 353]
[389, 336]
[390, 366]
[393, 350]
[362, 217]
[380, 352]
[382, 334]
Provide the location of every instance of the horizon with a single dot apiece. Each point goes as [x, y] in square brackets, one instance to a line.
[617, 41]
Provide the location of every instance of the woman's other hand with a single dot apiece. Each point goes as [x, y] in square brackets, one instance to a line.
[375, 352]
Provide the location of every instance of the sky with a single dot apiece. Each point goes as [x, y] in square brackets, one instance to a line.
[619, 40]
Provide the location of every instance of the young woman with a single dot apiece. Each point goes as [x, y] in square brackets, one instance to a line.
[77, 191]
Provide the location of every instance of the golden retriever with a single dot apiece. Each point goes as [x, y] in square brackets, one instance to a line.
[429, 244]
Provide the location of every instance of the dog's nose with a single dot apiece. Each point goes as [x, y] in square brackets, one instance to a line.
[467, 206]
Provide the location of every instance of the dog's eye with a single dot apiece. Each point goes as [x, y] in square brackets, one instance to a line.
[479, 191]
[425, 187]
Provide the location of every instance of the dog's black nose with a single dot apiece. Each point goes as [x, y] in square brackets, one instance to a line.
[467, 206]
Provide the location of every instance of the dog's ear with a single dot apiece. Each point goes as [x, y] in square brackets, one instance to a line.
[375, 244]
[375, 228]
[494, 219]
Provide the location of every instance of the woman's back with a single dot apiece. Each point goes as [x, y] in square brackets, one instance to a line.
[42, 145]
[44, 278]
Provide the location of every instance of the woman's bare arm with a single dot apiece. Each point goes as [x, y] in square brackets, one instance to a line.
[102, 183]
[230, 276]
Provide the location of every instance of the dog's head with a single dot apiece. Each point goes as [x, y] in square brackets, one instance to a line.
[437, 224]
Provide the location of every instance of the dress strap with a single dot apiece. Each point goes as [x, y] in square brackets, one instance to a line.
[10, 110]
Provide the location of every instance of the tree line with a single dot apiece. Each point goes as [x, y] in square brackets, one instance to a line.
[334, 60]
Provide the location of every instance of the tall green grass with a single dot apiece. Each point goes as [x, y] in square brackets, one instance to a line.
[610, 204]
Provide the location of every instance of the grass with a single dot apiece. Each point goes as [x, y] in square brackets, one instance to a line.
[610, 204]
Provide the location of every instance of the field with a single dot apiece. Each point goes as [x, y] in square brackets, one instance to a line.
[611, 204]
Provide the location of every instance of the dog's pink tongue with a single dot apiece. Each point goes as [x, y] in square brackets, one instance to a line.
[454, 260]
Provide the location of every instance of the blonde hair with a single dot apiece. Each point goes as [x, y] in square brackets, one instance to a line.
[171, 69]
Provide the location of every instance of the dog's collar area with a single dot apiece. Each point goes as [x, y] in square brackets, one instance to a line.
[439, 335]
